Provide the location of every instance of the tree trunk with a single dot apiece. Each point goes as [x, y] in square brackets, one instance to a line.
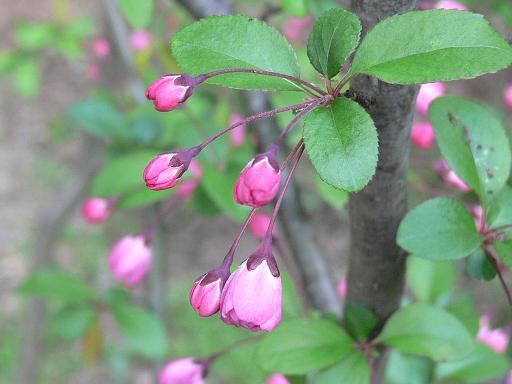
[376, 264]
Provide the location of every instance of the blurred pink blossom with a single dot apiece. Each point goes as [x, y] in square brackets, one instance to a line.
[101, 47]
[140, 40]
[182, 371]
[450, 4]
[93, 71]
[186, 188]
[259, 225]
[130, 259]
[97, 209]
[507, 96]
[237, 135]
[342, 288]
[426, 5]
[497, 339]
[428, 92]
[478, 213]
[296, 29]
[423, 135]
[277, 378]
[450, 177]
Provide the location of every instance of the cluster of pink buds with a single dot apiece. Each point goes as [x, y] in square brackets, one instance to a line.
[130, 259]
[449, 177]
[422, 134]
[98, 209]
[184, 371]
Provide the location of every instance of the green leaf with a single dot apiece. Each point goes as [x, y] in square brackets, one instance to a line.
[474, 143]
[439, 229]
[424, 330]
[72, 322]
[27, 77]
[353, 369]
[428, 46]
[407, 369]
[359, 320]
[297, 8]
[481, 366]
[429, 280]
[341, 141]
[334, 37]
[302, 346]
[142, 198]
[463, 308]
[333, 196]
[500, 212]
[479, 267]
[122, 175]
[221, 42]
[56, 284]
[219, 188]
[32, 36]
[99, 118]
[137, 12]
[143, 332]
[504, 249]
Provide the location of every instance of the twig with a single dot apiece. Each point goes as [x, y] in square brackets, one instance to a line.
[493, 258]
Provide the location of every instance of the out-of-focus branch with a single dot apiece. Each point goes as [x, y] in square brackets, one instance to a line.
[49, 222]
[299, 233]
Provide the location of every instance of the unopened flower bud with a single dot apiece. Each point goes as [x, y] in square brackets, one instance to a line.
[450, 4]
[130, 260]
[423, 135]
[206, 291]
[450, 177]
[478, 214]
[97, 209]
[165, 170]
[101, 47]
[507, 96]
[252, 296]
[428, 92]
[342, 288]
[259, 225]
[183, 371]
[497, 339]
[258, 182]
[170, 91]
[277, 378]
[140, 40]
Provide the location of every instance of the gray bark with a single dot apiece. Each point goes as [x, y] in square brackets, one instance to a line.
[376, 263]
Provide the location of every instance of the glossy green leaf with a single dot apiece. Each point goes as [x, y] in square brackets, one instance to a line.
[221, 42]
[482, 365]
[72, 322]
[143, 197]
[353, 369]
[423, 330]
[137, 12]
[297, 8]
[474, 143]
[433, 45]
[341, 141]
[303, 346]
[333, 196]
[56, 284]
[143, 332]
[99, 118]
[463, 308]
[500, 212]
[479, 267]
[122, 175]
[429, 280]
[408, 369]
[360, 321]
[439, 229]
[334, 37]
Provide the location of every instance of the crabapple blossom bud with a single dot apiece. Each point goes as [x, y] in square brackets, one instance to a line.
[428, 92]
[130, 260]
[165, 170]
[507, 96]
[258, 182]
[277, 378]
[423, 135]
[101, 47]
[450, 4]
[170, 91]
[237, 135]
[186, 189]
[206, 291]
[496, 339]
[140, 40]
[259, 225]
[342, 288]
[183, 371]
[252, 296]
[450, 177]
[97, 209]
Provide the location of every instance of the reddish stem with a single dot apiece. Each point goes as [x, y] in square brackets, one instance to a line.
[493, 257]
[292, 154]
[207, 76]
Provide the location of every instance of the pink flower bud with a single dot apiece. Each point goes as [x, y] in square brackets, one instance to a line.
[258, 182]
[423, 135]
[252, 296]
[170, 91]
[97, 209]
[450, 177]
[164, 171]
[478, 213]
[296, 29]
[428, 92]
[206, 291]
[237, 135]
[140, 40]
[277, 378]
[130, 260]
[507, 96]
[93, 71]
[259, 225]
[450, 4]
[497, 339]
[101, 47]
[182, 371]
[342, 288]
